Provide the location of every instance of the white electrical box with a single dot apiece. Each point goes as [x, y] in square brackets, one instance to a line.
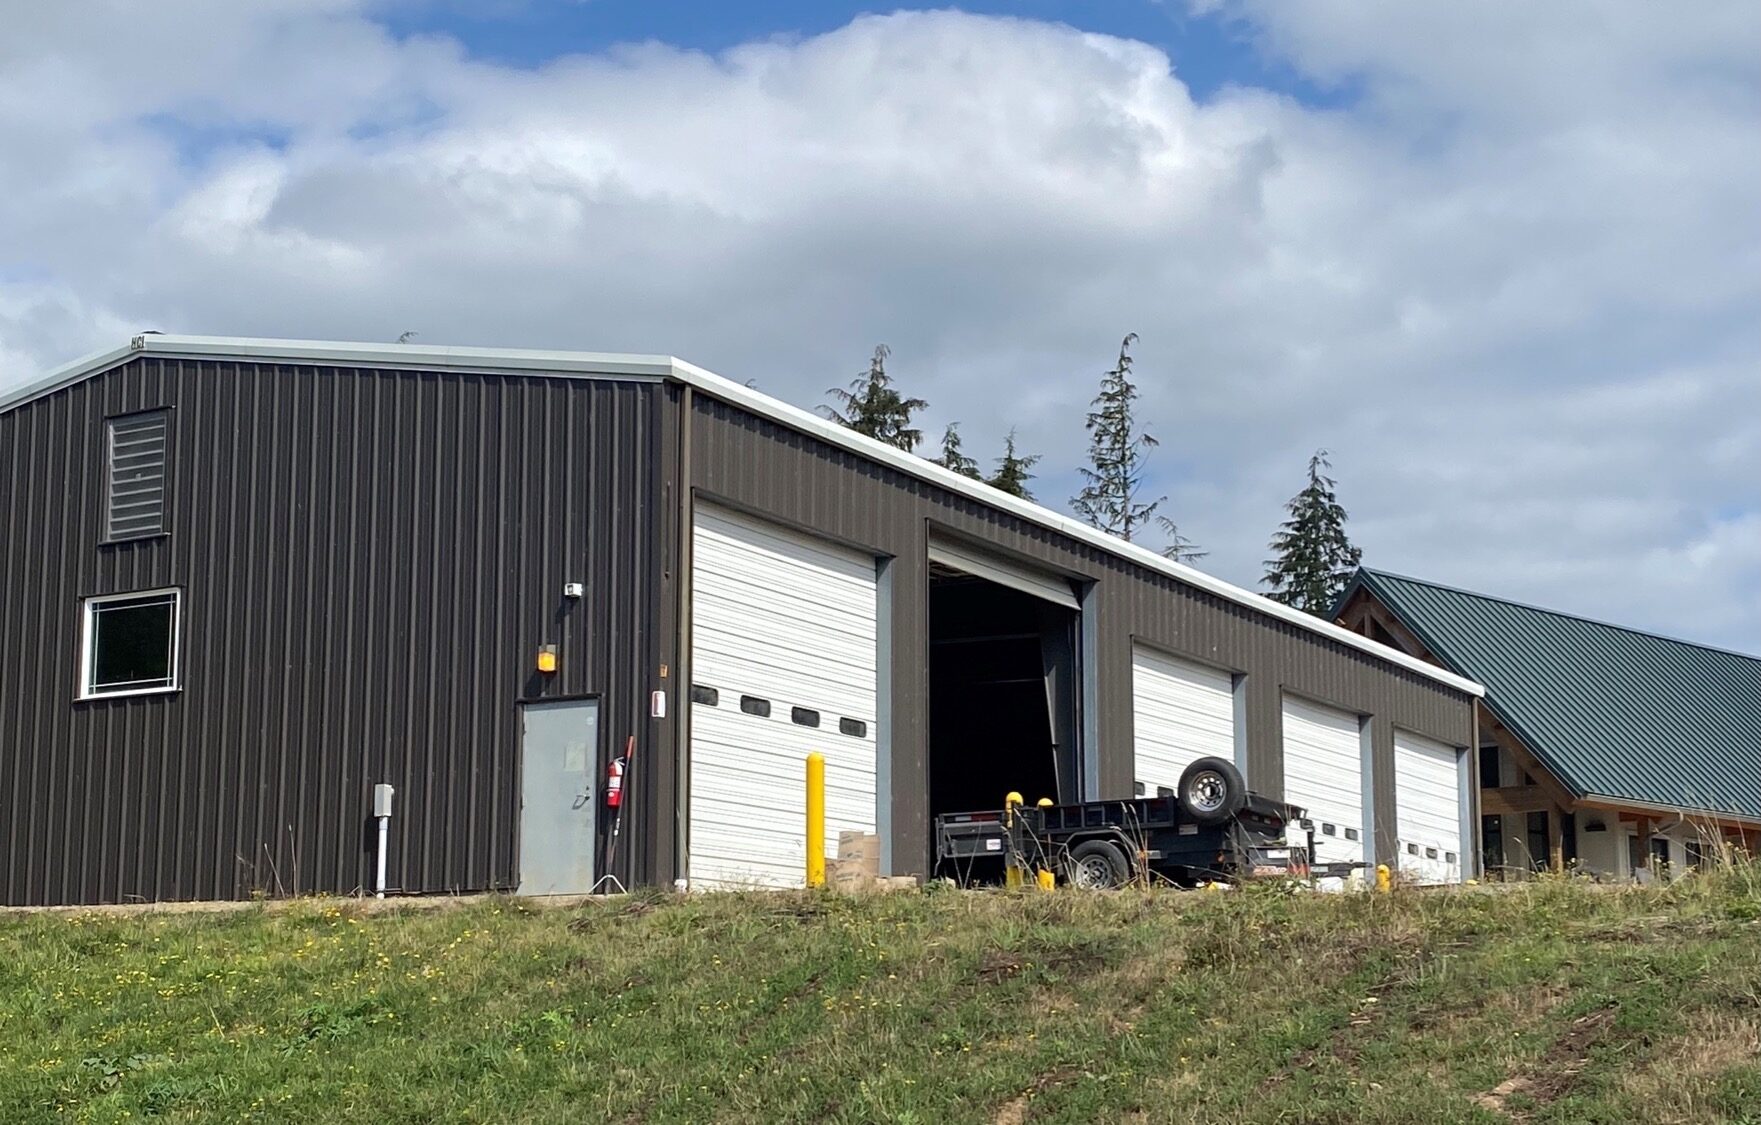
[657, 705]
[573, 589]
[382, 799]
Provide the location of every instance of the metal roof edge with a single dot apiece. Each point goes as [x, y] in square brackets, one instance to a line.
[340, 352]
[654, 366]
[66, 375]
[796, 418]
[410, 355]
[1567, 615]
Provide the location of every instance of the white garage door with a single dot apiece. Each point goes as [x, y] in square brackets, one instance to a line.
[782, 664]
[1181, 711]
[1323, 773]
[1427, 809]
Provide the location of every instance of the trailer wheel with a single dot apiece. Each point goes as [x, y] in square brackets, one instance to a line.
[1096, 865]
[1212, 791]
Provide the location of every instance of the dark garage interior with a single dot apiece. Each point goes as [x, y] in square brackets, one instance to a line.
[1002, 698]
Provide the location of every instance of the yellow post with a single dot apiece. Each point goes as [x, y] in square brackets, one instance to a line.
[1012, 876]
[1042, 875]
[816, 819]
[1384, 878]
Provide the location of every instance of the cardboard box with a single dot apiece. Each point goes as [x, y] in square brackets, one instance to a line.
[861, 850]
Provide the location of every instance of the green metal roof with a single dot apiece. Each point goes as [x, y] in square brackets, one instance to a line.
[1613, 712]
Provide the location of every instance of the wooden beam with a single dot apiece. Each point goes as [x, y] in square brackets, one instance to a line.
[1355, 616]
[1525, 760]
[1631, 811]
[1555, 839]
[1404, 636]
[1515, 800]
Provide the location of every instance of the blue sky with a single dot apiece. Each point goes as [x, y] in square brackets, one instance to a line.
[1209, 49]
[1503, 259]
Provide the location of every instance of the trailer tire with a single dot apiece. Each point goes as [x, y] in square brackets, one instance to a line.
[1212, 791]
[1097, 865]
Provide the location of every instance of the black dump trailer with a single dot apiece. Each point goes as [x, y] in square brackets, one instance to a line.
[1210, 829]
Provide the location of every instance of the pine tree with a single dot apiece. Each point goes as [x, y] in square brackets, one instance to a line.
[1179, 548]
[1313, 558]
[952, 458]
[1116, 454]
[873, 406]
[1013, 470]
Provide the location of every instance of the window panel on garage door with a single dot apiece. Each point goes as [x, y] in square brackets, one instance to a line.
[1323, 773]
[782, 624]
[1181, 711]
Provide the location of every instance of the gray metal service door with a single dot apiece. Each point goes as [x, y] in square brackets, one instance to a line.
[559, 752]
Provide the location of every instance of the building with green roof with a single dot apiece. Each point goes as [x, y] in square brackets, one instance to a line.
[1602, 748]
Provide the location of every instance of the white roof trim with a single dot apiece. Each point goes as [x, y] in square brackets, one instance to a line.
[649, 366]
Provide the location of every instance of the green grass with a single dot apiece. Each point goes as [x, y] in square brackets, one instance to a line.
[1549, 1002]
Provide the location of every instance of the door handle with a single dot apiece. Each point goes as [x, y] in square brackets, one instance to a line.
[581, 800]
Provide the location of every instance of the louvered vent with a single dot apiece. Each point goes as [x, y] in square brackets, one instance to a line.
[137, 475]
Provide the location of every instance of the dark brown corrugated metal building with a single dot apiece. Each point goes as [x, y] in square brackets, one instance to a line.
[247, 581]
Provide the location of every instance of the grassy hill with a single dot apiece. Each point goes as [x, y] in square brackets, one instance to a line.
[1551, 1002]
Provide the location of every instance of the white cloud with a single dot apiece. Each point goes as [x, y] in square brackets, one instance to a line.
[1513, 286]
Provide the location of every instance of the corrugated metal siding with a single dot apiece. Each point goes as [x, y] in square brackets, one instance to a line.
[1612, 711]
[370, 559]
[750, 462]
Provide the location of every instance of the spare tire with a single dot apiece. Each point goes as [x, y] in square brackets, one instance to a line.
[1211, 791]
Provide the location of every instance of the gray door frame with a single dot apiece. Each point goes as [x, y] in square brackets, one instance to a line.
[547, 821]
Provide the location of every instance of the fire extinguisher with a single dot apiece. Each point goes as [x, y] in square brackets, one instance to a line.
[614, 781]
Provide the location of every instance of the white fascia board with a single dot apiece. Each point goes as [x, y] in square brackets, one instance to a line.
[424, 356]
[796, 418]
[427, 356]
[66, 375]
[586, 364]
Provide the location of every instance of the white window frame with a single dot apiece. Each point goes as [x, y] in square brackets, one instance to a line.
[89, 654]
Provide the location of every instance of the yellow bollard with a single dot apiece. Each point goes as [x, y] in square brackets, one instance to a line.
[1012, 876]
[816, 819]
[1042, 876]
[1384, 879]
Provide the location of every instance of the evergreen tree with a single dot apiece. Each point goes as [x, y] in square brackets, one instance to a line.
[1116, 451]
[1013, 470]
[952, 458]
[873, 406]
[1313, 558]
[1179, 548]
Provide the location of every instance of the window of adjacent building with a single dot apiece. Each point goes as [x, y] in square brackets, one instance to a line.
[1694, 854]
[1539, 853]
[1492, 844]
[1660, 854]
[135, 447]
[130, 643]
[1489, 767]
